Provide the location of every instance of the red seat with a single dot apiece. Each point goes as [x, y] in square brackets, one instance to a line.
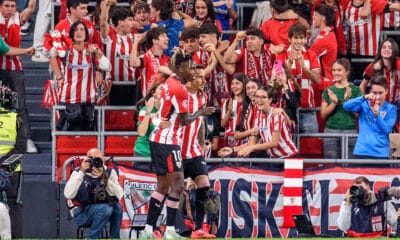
[69, 146]
[311, 147]
[120, 120]
[120, 146]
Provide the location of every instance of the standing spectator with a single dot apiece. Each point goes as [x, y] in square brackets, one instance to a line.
[217, 86]
[232, 108]
[364, 25]
[226, 14]
[277, 27]
[165, 146]
[273, 130]
[77, 80]
[152, 61]
[11, 73]
[162, 11]
[255, 60]
[338, 27]
[338, 120]
[305, 68]
[191, 45]
[141, 15]
[325, 46]
[118, 46]
[286, 92]
[384, 64]
[194, 164]
[249, 111]
[148, 109]
[204, 13]
[42, 24]
[376, 118]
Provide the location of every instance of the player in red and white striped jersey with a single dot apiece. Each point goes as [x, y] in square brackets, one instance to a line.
[77, 82]
[193, 145]
[273, 130]
[154, 59]
[118, 46]
[165, 143]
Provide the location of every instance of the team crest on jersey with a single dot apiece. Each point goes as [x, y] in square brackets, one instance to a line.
[136, 195]
[185, 103]
[383, 114]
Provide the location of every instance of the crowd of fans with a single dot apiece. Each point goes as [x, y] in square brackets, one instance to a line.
[118, 54]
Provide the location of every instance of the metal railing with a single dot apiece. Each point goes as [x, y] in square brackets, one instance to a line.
[248, 160]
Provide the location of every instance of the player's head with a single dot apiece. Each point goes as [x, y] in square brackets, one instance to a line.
[182, 64]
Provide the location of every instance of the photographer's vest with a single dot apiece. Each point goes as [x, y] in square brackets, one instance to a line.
[86, 190]
[8, 131]
[367, 220]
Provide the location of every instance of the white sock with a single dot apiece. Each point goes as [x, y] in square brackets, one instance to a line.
[170, 228]
[148, 228]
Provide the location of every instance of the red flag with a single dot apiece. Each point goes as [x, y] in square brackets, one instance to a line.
[292, 190]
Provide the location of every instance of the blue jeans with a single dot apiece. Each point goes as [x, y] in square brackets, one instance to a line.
[97, 215]
[308, 122]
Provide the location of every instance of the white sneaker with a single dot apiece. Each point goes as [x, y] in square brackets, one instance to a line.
[171, 234]
[24, 30]
[30, 147]
[146, 234]
[39, 56]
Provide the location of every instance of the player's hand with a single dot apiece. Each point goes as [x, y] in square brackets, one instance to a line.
[205, 111]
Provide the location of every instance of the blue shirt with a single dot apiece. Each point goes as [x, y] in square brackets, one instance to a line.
[174, 27]
[373, 136]
[222, 15]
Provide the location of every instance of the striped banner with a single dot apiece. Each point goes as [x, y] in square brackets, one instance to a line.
[292, 190]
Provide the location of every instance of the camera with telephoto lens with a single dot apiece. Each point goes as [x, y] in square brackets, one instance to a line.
[358, 195]
[99, 192]
[95, 162]
[11, 163]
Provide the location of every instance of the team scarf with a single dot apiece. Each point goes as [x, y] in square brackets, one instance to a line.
[292, 190]
[263, 74]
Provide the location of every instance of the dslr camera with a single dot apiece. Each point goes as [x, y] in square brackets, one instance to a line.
[99, 192]
[358, 195]
[95, 162]
[11, 163]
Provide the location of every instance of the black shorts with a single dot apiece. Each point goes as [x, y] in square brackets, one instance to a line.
[165, 158]
[194, 167]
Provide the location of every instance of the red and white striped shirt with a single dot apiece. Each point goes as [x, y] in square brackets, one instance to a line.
[64, 26]
[174, 100]
[311, 61]
[151, 66]
[9, 30]
[253, 66]
[363, 34]
[79, 85]
[392, 18]
[190, 144]
[269, 123]
[217, 86]
[117, 50]
[234, 121]
[392, 80]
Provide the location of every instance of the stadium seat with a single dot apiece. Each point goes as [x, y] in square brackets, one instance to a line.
[120, 120]
[119, 145]
[311, 147]
[69, 146]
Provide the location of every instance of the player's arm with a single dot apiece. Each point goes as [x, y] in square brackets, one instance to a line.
[186, 118]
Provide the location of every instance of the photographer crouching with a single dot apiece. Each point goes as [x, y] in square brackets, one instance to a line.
[95, 191]
[362, 214]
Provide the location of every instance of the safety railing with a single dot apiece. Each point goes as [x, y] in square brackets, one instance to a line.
[249, 160]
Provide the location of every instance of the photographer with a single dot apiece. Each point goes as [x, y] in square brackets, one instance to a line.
[95, 191]
[361, 214]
